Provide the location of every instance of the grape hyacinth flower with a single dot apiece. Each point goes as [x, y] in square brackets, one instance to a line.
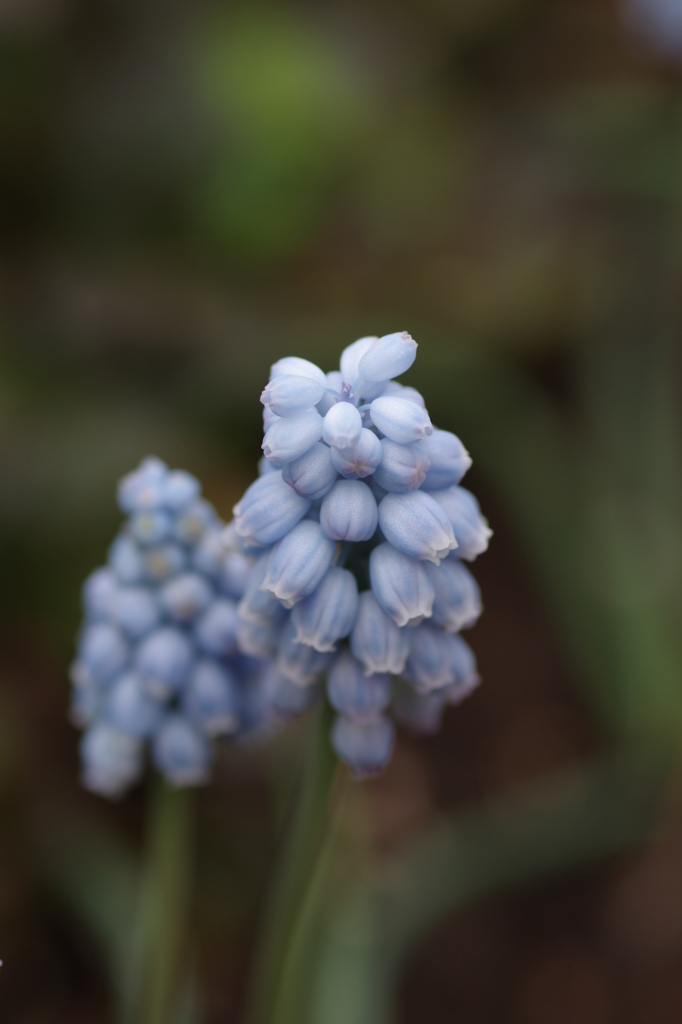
[158, 664]
[357, 528]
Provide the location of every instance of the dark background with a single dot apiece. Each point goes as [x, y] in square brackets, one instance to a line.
[191, 190]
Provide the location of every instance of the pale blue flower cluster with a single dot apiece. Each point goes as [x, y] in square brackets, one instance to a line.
[157, 661]
[359, 529]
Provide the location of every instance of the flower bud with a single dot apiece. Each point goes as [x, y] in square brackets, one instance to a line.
[211, 699]
[400, 420]
[234, 573]
[103, 652]
[290, 437]
[463, 664]
[162, 661]
[216, 631]
[351, 356]
[180, 489]
[388, 357]
[366, 747]
[458, 598]
[400, 585]
[193, 521]
[400, 391]
[131, 710]
[125, 559]
[329, 613]
[298, 562]
[294, 366]
[449, 460]
[143, 489]
[361, 460]
[471, 528]
[355, 695]
[349, 511]
[403, 467]
[287, 395]
[376, 641]
[342, 426]
[268, 510]
[300, 664]
[112, 761]
[163, 561]
[185, 597]
[136, 611]
[208, 555]
[181, 752]
[98, 593]
[312, 474]
[415, 524]
[151, 527]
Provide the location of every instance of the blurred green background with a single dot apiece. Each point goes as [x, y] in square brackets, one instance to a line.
[192, 189]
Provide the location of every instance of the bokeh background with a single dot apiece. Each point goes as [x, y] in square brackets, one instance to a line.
[192, 189]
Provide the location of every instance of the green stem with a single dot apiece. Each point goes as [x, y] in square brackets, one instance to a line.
[163, 964]
[296, 874]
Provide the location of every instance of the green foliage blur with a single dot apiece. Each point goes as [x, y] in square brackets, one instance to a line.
[191, 190]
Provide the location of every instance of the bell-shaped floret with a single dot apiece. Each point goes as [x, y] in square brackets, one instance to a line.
[361, 460]
[470, 526]
[163, 660]
[458, 598]
[98, 593]
[269, 509]
[131, 709]
[430, 665]
[102, 652]
[449, 460]
[313, 474]
[284, 699]
[289, 438]
[354, 694]
[416, 524]
[400, 420]
[351, 356]
[181, 752]
[136, 610]
[463, 663]
[151, 526]
[258, 639]
[126, 560]
[335, 385]
[186, 596]
[112, 760]
[400, 585]
[296, 367]
[164, 561]
[403, 467]
[301, 664]
[269, 417]
[349, 511]
[376, 641]
[259, 605]
[191, 523]
[342, 426]
[366, 747]
[298, 562]
[420, 713]
[143, 488]
[329, 613]
[216, 631]
[388, 357]
[179, 490]
[288, 395]
[211, 699]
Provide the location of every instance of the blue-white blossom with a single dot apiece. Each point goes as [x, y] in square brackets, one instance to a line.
[157, 664]
[360, 577]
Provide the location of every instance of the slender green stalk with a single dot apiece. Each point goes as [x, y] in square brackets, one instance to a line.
[163, 963]
[296, 874]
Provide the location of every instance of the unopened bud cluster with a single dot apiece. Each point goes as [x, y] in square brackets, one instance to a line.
[358, 529]
[157, 663]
